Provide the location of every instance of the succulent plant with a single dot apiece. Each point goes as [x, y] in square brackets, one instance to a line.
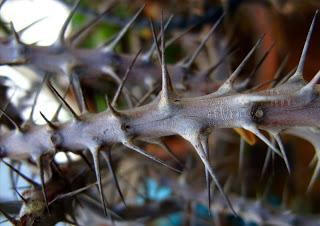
[290, 106]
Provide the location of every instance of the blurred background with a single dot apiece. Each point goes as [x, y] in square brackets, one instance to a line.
[285, 24]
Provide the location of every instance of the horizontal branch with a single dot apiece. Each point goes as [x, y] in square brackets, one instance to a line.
[292, 104]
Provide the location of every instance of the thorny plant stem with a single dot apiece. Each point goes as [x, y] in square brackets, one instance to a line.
[293, 104]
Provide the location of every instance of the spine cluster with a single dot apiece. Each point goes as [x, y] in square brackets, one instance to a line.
[291, 106]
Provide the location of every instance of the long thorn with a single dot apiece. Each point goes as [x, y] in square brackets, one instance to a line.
[86, 160]
[124, 79]
[241, 154]
[167, 87]
[72, 193]
[63, 100]
[283, 152]
[147, 56]
[120, 35]
[236, 72]
[298, 75]
[261, 61]
[280, 70]
[27, 179]
[264, 139]
[227, 86]
[51, 125]
[155, 40]
[310, 86]
[189, 62]
[204, 143]
[14, 33]
[132, 146]
[109, 71]
[43, 184]
[177, 37]
[20, 195]
[202, 154]
[76, 87]
[286, 77]
[61, 38]
[314, 177]
[9, 218]
[166, 148]
[57, 112]
[152, 90]
[10, 119]
[209, 70]
[75, 38]
[20, 32]
[266, 163]
[36, 97]
[96, 161]
[107, 156]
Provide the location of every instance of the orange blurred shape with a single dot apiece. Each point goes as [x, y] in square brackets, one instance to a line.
[249, 137]
[177, 145]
